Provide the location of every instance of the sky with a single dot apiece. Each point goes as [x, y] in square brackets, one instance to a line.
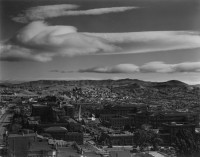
[151, 40]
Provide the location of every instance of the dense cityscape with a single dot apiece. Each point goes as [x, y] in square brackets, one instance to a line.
[99, 78]
[104, 118]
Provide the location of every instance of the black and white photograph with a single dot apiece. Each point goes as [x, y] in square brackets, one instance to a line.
[99, 78]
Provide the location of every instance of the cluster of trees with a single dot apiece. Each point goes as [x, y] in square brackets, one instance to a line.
[145, 138]
[186, 144]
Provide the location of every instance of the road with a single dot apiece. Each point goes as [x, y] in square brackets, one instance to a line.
[4, 120]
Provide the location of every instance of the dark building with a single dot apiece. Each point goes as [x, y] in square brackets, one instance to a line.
[41, 149]
[157, 119]
[173, 128]
[124, 110]
[106, 117]
[18, 145]
[119, 122]
[74, 126]
[45, 113]
[58, 113]
[57, 132]
[69, 110]
[121, 139]
[61, 133]
[141, 118]
[74, 136]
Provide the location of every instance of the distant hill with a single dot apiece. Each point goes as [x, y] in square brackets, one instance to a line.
[109, 82]
[171, 83]
[198, 85]
[171, 94]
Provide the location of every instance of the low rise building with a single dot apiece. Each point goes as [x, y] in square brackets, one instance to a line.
[74, 136]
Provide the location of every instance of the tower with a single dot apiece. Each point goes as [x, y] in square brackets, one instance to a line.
[79, 113]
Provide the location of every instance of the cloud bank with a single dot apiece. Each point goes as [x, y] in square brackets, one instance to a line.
[151, 67]
[40, 42]
[120, 68]
[51, 11]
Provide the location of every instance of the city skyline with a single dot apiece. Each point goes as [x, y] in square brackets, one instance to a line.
[157, 40]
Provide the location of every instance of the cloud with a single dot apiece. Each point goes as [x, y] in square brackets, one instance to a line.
[51, 11]
[151, 67]
[157, 67]
[120, 68]
[16, 53]
[40, 42]
[161, 67]
[59, 71]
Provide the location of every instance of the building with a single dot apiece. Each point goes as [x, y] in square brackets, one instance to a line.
[69, 110]
[123, 110]
[106, 117]
[74, 126]
[157, 119]
[18, 145]
[57, 132]
[118, 139]
[41, 149]
[74, 136]
[45, 112]
[119, 122]
[119, 154]
[173, 128]
[58, 113]
[141, 118]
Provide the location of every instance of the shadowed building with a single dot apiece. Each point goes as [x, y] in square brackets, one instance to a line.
[69, 110]
[173, 129]
[45, 112]
[74, 136]
[57, 132]
[18, 145]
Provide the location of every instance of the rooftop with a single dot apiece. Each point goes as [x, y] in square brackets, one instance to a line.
[55, 129]
[40, 146]
[20, 135]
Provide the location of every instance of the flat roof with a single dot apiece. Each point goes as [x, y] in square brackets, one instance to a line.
[20, 135]
[39, 146]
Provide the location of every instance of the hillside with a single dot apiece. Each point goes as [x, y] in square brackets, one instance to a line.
[170, 94]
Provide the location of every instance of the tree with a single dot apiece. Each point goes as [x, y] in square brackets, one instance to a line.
[186, 145]
[144, 138]
[141, 138]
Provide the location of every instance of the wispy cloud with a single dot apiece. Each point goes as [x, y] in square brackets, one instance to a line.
[51, 11]
[59, 71]
[151, 67]
[40, 42]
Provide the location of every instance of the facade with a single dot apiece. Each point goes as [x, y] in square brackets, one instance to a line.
[57, 132]
[69, 110]
[74, 136]
[58, 113]
[120, 122]
[122, 139]
[173, 128]
[157, 119]
[74, 126]
[141, 118]
[124, 110]
[45, 112]
[106, 117]
[18, 145]
[41, 149]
